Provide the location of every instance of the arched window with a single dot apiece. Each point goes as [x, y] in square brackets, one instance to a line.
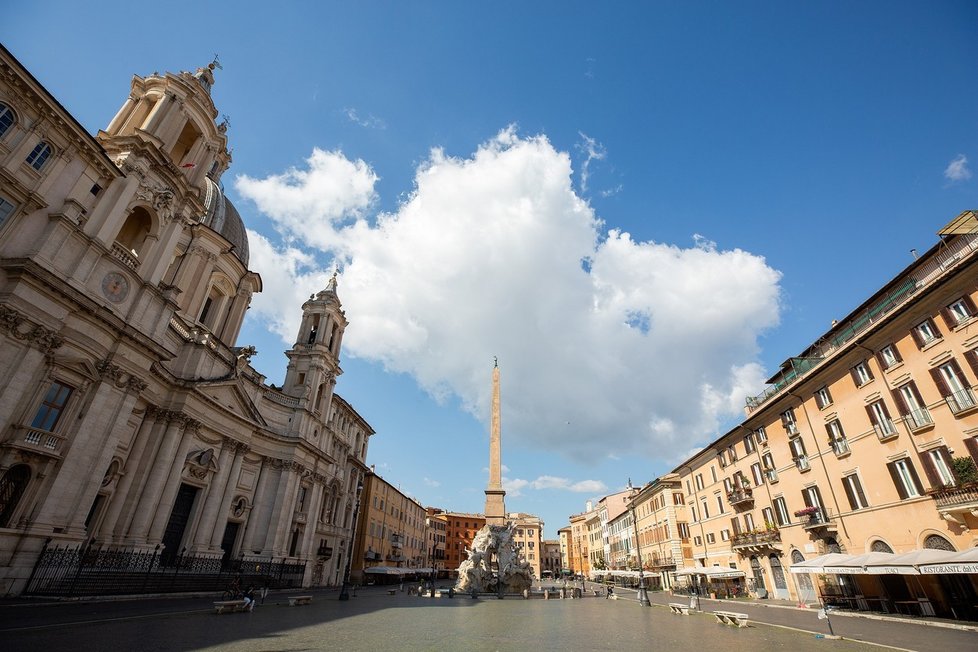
[937, 542]
[12, 486]
[7, 118]
[132, 235]
[880, 546]
[39, 155]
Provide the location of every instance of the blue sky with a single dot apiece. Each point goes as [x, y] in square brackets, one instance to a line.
[642, 209]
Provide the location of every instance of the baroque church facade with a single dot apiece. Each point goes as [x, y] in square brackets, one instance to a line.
[130, 418]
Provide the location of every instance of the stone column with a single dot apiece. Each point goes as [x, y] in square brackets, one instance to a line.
[312, 517]
[228, 494]
[125, 482]
[123, 113]
[172, 483]
[137, 471]
[260, 502]
[282, 512]
[161, 463]
[215, 492]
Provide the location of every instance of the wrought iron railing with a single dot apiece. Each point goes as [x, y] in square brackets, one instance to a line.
[765, 537]
[961, 400]
[885, 430]
[72, 571]
[956, 496]
[918, 418]
[741, 495]
[840, 446]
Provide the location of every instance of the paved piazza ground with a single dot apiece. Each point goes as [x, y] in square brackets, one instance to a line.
[376, 621]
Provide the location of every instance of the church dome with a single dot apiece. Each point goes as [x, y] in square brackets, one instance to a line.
[224, 218]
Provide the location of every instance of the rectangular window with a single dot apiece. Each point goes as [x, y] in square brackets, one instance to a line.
[837, 437]
[698, 540]
[693, 513]
[905, 478]
[924, 333]
[761, 435]
[768, 514]
[755, 470]
[937, 466]
[749, 445]
[683, 531]
[677, 499]
[958, 312]
[749, 521]
[798, 454]
[719, 504]
[731, 454]
[721, 460]
[861, 374]
[888, 356]
[781, 511]
[854, 492]
[713, 472]
[6, 210]
[769, 469]
[710, 538]
[728, 485]
[911, 406]
[706, 509]
[52, 407]
[725, 535]
[954, 387]
[823, 398]
[788, 421]
[879, 416]
[699, 481]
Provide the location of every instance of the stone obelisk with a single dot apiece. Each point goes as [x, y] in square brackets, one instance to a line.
[495, 506]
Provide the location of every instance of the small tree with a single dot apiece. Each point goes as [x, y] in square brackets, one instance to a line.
[964, 469]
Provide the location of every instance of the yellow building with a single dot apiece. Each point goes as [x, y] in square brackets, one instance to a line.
[663, 529]
[528, 536]
[391, 532]
[865, 441]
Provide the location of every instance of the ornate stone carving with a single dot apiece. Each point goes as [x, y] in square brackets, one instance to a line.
[199, 463]
[136, 385]
[44, 339]
[161, 198]
[239, 506]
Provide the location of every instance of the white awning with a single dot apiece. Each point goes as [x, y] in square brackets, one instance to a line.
[712, 572]
[908, 562]
[857, 565]
[388, 570]
[818, 564]
[965, 561]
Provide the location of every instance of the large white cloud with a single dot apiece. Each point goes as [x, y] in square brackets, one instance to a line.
[602, 340]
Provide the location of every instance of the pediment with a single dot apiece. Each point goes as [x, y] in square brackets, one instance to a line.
[230, 396]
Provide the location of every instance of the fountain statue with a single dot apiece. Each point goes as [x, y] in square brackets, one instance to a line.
[513, 574]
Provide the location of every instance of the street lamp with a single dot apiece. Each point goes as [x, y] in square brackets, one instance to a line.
[345, 590]
[643, 596]
[434, 544]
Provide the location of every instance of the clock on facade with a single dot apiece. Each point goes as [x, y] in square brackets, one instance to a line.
[115, 287]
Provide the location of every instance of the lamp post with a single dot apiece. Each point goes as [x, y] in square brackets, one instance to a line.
[643, 596]
[345, 590]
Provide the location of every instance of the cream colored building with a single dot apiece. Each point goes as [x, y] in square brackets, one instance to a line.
[130, 417]
[565, 543]
[392, 530]
[865, 441]
[663, 529]
[550, 557]
[528, 537]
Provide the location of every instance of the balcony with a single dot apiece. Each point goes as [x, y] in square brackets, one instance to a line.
[758, 541]
[801, 461]
[771, 475]
[740, 497]
[840, 447]
[956, 503]
[885, 430]
[127, 257]
[35, 440]
[918, 419]
[961, 402]
[819, 519]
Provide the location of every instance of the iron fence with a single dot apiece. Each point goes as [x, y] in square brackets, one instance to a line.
[73, 571]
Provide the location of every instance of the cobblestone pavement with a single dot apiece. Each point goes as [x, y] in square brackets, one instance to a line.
[375, 621]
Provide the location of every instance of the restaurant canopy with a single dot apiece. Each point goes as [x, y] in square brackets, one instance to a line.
[917, 562]
[712, 572]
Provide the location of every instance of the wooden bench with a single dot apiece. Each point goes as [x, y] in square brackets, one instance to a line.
[731, 618]
[679, 608]
[230, 606]
[296, 600]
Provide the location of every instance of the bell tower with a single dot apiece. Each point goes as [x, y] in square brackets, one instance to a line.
[314, 358]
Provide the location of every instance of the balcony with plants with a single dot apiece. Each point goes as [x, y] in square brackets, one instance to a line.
[958, 503]
[757, 540]
[742, 496]
[816, 518]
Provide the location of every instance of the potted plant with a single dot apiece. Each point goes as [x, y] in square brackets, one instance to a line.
[806, 511]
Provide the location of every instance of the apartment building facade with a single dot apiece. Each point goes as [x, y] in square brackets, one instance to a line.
[865, 441]
[391, 530]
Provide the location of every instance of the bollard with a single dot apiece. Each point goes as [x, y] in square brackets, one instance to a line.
[526, 594]
[546, 594]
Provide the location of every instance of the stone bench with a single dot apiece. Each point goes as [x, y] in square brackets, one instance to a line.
[391, 591]
[296, 600]
[731, 618]
[679, 608]
[230, 606]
